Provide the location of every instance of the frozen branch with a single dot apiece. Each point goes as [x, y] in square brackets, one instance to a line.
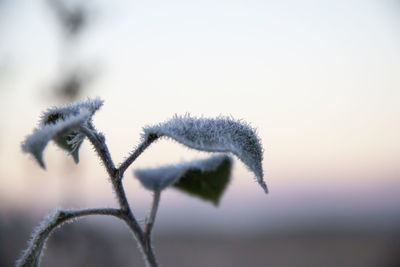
[99, 143]
[136, 153]
[152, 216]
[31, 256]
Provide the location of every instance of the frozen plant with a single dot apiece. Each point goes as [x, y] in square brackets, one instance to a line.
[68, 126]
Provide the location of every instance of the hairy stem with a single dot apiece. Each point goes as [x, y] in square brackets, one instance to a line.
[130, 220]
[150, 221]
[146, 247]
[139, 150]
[31, 256]
[152, 216]
[116, 175]
[98, 142]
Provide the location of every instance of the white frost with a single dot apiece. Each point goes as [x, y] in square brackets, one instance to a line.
[157, 179]
[91, 105]
[36, 143]
[58, 121]
[221, 134]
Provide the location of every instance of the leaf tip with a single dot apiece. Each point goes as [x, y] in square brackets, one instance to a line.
[75, 156]
[30, 147]
[220, 134]
[264, 186]
[41, 163]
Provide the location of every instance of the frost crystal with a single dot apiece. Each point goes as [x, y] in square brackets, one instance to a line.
[31, 256]
[215, 135]
[55, 114]
[157, 179]
[61, 124]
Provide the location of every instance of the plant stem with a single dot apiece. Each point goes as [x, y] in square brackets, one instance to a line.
[136, 153]
[99, 144]
[150, 220]
[31, 256]
[116, 175]
[132, 223]
[152, 216]
[145, 246]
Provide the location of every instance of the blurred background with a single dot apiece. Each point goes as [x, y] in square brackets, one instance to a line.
[319, 80]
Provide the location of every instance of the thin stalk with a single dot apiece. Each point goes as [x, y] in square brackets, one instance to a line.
[147, 249]
[99, 144]
[116, 175]
[136, 153]
[150, 221]
[133, 224]
[31, 256]
[152, 216]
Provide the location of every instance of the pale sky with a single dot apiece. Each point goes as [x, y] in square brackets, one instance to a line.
[318, 79]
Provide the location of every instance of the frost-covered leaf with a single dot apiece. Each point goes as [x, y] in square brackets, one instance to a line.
[61, 125]
[55, 114]
[205, 178]
[36, 143]
[70, 142]
[207, 184]
[215, 135]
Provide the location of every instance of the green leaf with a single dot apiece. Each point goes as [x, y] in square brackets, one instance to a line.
[205, 178]
[208, 185]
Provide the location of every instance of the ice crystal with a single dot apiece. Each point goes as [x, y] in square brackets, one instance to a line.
[215, 135]
[61, 124]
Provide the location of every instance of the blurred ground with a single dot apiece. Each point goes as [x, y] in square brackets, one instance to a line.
[92, 244]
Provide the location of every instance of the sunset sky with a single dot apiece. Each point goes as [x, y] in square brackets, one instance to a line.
[320, 80]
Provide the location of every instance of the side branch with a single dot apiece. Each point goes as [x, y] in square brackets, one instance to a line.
[99, 143]
[31, 256]
[139, 150]
[133, 224]
[152, 216]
